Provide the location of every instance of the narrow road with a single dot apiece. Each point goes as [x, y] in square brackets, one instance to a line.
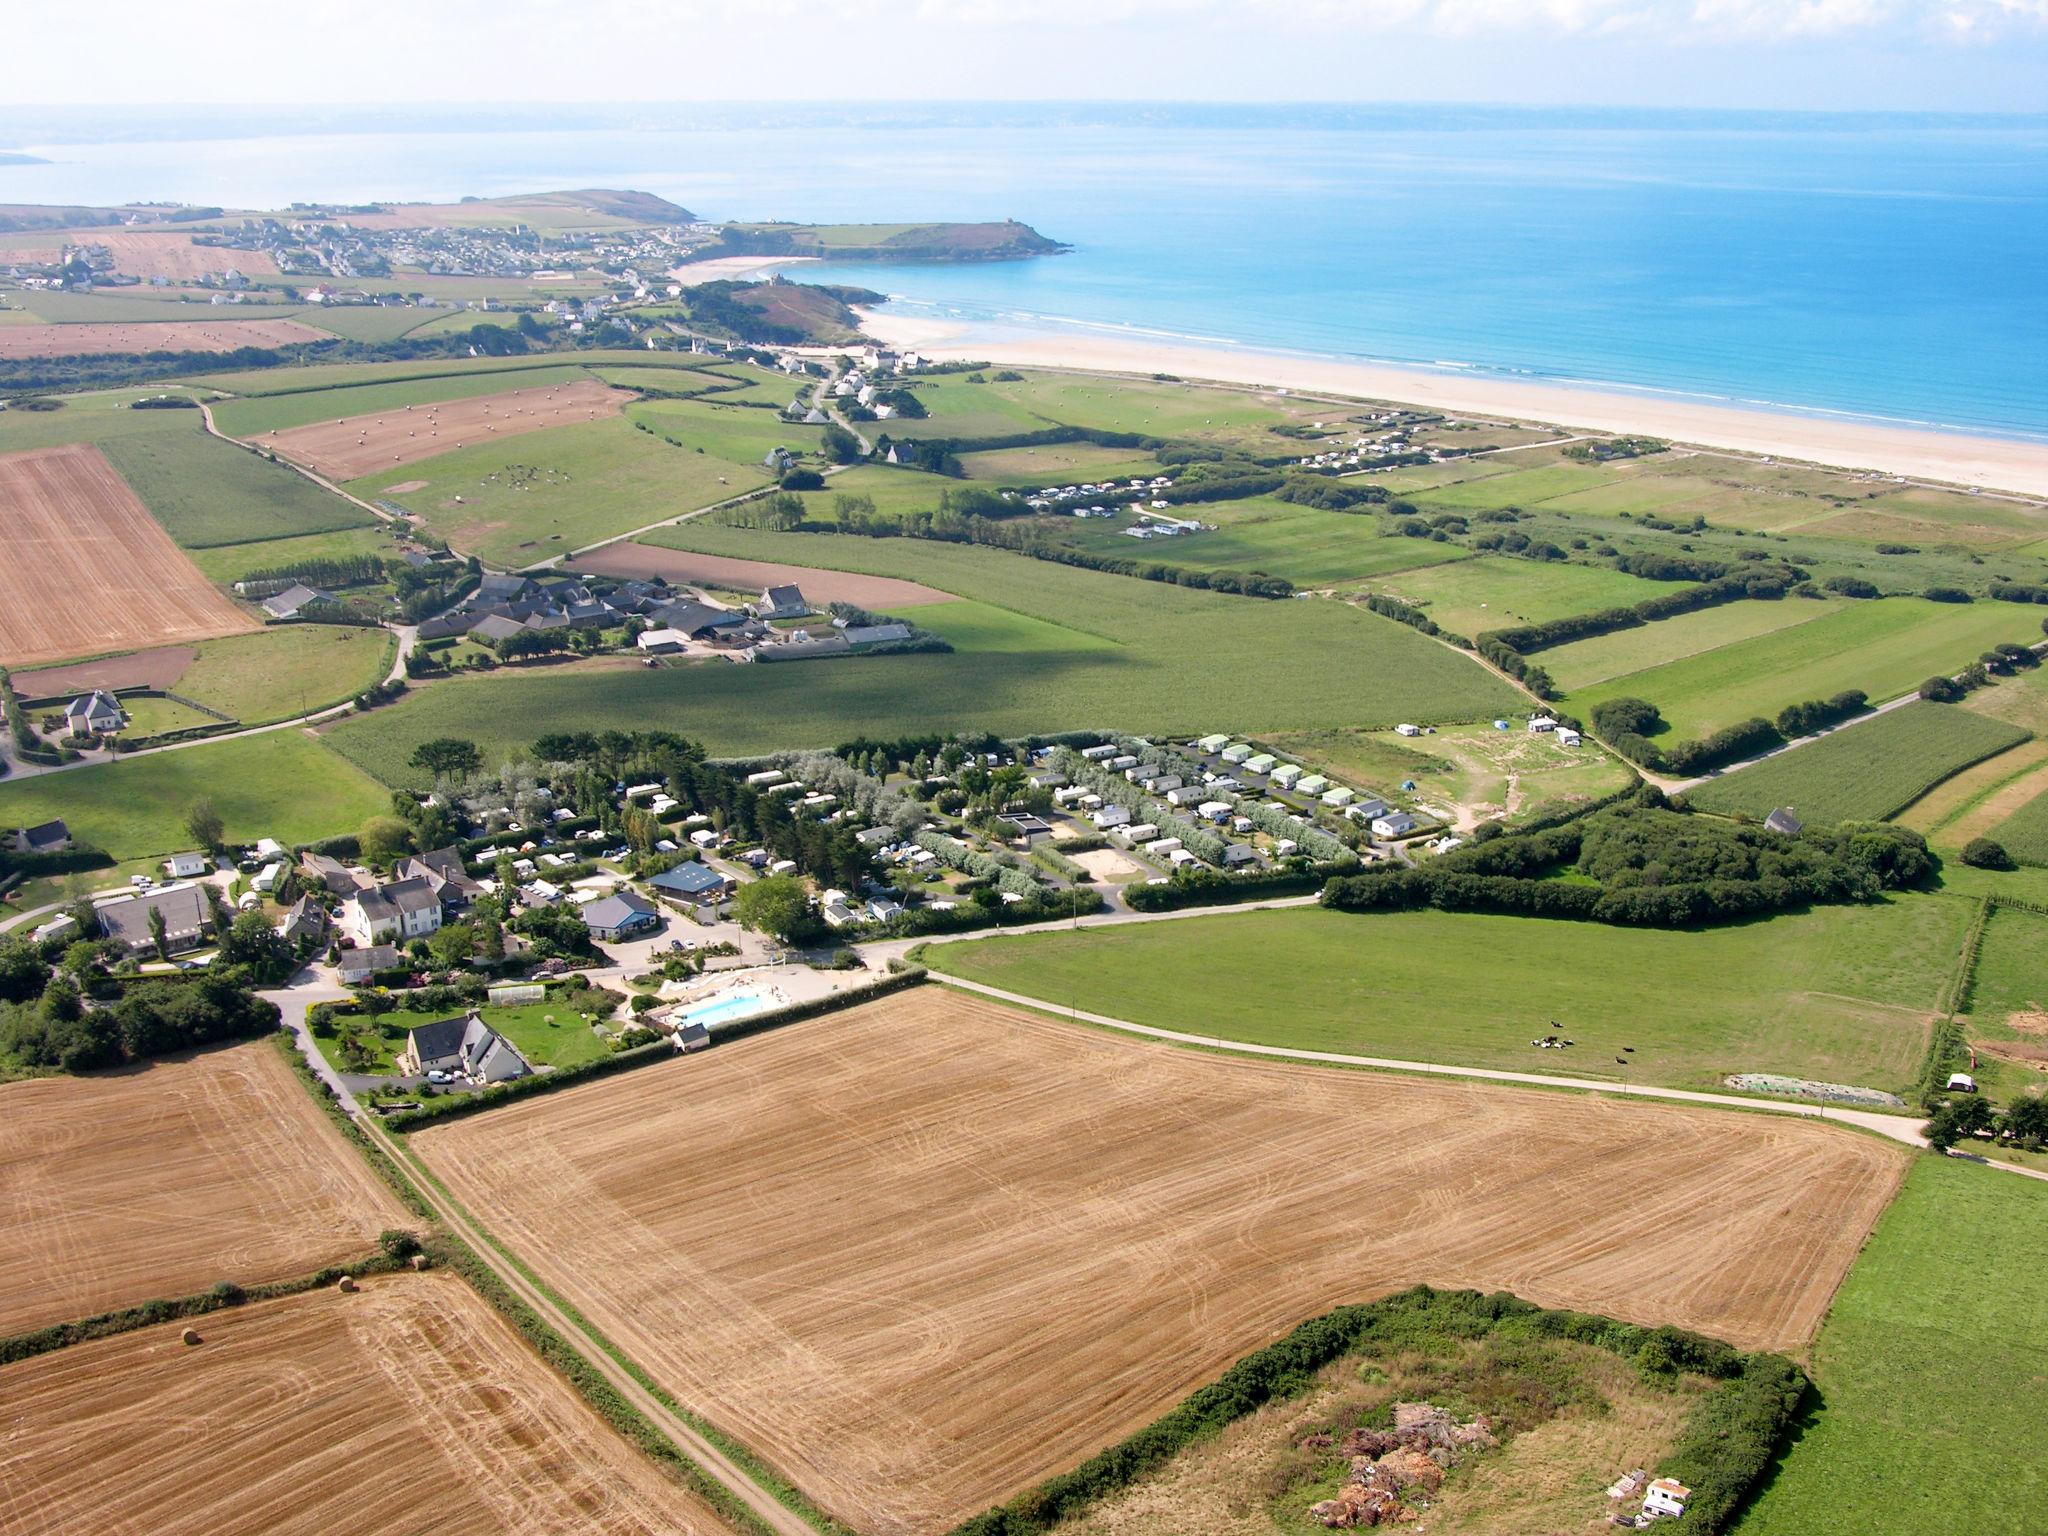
[294, 1003]
[1894, 1127]
[709, 1457]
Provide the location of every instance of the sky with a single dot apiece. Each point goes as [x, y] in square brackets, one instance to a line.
[1838, 55]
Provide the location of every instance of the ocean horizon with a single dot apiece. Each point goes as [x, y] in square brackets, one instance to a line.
[1886, 267]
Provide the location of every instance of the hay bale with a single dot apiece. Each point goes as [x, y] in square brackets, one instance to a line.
[347, 1284]
[190, 1335]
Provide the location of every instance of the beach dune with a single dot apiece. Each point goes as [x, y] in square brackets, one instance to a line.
[1920, 453]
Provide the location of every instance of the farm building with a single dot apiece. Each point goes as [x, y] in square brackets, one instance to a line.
[465, 1045]
[691, 881]
[288, 603]
[619, 916]
[187, 866]
[45, 837]
[1783, 821]
[785, 602]
[187, 915]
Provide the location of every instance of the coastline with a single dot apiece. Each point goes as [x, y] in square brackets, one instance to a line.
[1920, 453]
[733, 269]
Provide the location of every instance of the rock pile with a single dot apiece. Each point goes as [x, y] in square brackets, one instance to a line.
[1385, 1464]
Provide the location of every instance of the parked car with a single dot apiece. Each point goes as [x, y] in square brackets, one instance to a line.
[436, 1075]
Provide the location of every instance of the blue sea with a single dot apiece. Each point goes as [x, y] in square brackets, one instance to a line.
[1891, 267]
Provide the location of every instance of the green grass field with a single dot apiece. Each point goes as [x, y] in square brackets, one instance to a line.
[2024, 833]
[300, 378]
[207, 492]
[376, 322]
[1932, 1372]
[1841, 994]
[1149, 656]
[282, 784]
[153, 716]
[1885, 647]
[228, 563]
[2007, 1017]
[286, 670]
[1057, 464]
[252, 417]
[1583, 663]
[145, 307]
[1492, 592]
[1866, 771]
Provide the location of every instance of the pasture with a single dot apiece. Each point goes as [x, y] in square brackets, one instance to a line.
[2008, 1003]
[819, 587]
[286, 670]
[1844, 994]
[306, 378]
[1305, 545]
[282, 784]
[1597, 658]
[323, 396]
[1470, 597]
[88, 570]
[408, 1405]
[1180, 660]
[1932, 1372]
[158, 1180]
[207, 492]
[1885, 646]
[224, 564]
[1057, 464]
[1865, 771]
[922, 1253]
[352, 446]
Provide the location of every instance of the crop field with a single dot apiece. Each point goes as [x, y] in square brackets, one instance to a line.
[1932, 1372]
[741, 435]
[1981, 799]
[286, 670]
[552, 491]
[407, 1406]
[1304, 545]
[1171, 667]
[1843, 994]
[1600, 657]
[348, 447]
[142, 253]
[282, 784]
[43, 341]
[322, 395]
[88, 569]
[2008, 1004]
[160, 1180]
[820, 587]
[1490, 592]
[207, 492]
[1886, 647]
[381, 322]
[142, 305]
[1865, 771]
[2025, 831]
[925, 1252]
[1057, 464]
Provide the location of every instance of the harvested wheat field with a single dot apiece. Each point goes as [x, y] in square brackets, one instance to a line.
[820, 586]
[143, 254]
[356, 445]
[923, 1253]
[94, 338]
[88, 569]
[406, 1406]
[160, 1180]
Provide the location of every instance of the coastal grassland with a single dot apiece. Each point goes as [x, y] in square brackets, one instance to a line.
[1514, 488]
[1470, 597]
[1157, 408]
[578, 484]
[224, 564]
[1931, 1370]
[207, 492]
[1843, 994]
[1885, 646]
[891, 490]
[145, 306]
[281, 784]
[251, 418]
[1866, 771]
[377, 322]
[738, 434]
[1462, 774]
[286, 670]
[1057, 464]
[305, 378]
[1583, 663]
[1158, 657]
[2007, 1020]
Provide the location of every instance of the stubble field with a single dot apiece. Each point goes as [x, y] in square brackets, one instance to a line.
[407, 1406]
[923, 1253]
[92, 339]
[159, 1181]
[87, 569]
[350, 446]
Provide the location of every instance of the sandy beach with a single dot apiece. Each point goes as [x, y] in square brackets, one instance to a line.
[733, 269]
[1920, 453]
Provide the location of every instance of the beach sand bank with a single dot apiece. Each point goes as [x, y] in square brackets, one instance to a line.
[1921, 453]
[733, 269]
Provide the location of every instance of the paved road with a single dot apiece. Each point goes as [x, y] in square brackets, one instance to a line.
[294, 1003]
[699, 1449]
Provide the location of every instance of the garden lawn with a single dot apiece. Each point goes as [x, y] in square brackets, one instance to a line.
[1150, 657]
[1583, 663]
[1493, 592]
[1865, 771]
[1843, 994]
[549, 1034]
[1932, 1372]
[286, 670]
[281, 784]
[1885, 646]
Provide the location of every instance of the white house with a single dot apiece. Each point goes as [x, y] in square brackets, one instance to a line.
[93, 714]
[1111, 816]
[187, 866]
[1394, 824]
[1286, 775]
[1541, 723]
[407, 909]
[465, 1045]
[1407, 730]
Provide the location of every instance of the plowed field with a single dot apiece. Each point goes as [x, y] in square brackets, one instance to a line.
[408, 1406]
[85, 567]
[160, 1180]
[92, 338]
[924, 1253]
[356, 445]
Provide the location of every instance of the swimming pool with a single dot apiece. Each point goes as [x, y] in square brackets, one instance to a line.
[723, 1010]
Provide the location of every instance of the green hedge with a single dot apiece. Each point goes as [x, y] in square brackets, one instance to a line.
[1211, 889]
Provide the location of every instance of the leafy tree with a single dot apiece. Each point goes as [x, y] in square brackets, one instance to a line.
[449, 757]
[778, 905]
[158, 934]
[23, 974]
[839, 445]
[250, 941]
[450, 946]
[205, 825]
[2025, 1119]
[1957, 1120]
[384, 838]
[1983, 853]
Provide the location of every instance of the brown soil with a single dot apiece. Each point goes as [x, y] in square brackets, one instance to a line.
[87, 569]
[403, 486]
[143, 254]
[926, 1252]
[157, 668]
[160, 1180]
[820, 586]
[356, 445]
[406, 1406]
[19, 341]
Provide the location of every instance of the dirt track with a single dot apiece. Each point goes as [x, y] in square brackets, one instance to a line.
[87, 569]
[356, 445]
[158, 1181]
[408, 1406]
[926, 1252]
[820, 586]
[94, 338]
